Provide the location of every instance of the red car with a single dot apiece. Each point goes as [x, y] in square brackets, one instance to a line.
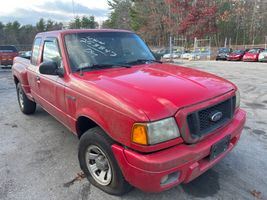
[236, 55]
[7, 54]
[140, 122]
[252, 54]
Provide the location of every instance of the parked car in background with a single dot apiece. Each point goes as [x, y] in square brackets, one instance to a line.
[263, 56]
[236, 55]
[252, 54]
[162, 52]
[175, 54]
[25, 54]
[7, 54]
[223, 53]
[186, 54]
[200, 54]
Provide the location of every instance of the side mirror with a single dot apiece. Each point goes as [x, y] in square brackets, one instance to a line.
[49, 68]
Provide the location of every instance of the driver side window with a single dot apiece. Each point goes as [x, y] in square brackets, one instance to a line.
[51, 52]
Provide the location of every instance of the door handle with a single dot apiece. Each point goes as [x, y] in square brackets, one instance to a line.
[38, 80]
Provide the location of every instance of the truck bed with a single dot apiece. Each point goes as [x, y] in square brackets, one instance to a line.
[19, 70]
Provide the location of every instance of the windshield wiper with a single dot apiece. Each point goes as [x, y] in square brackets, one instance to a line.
[138, 61]
[100, 66]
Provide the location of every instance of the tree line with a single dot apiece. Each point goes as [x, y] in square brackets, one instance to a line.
[13, 33]
[239, 22]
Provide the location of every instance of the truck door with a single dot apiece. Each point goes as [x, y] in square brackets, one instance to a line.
[51, 88]
[33, 69]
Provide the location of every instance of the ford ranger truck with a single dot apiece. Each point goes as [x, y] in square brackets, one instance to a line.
[140, 122]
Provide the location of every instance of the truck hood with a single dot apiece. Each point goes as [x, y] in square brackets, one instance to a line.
[159, 90]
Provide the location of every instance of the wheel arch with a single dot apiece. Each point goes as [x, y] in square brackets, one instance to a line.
[16, 80]
[84, 123]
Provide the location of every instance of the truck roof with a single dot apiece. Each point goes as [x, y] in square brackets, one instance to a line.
[68, 31]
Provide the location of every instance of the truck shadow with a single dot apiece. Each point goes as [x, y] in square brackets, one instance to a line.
[204, 186]
[40, 112]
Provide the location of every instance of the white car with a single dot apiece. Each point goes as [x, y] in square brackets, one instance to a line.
[186, 55]
[263, 56]
[174, 55]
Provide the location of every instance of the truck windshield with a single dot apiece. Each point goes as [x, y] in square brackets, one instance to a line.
[105, 49]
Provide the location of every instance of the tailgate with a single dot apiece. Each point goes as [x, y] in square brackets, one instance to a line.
[7, 56]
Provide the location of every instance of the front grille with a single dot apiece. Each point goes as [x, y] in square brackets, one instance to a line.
[200, 123]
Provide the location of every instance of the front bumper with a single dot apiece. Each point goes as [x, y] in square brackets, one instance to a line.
[234, 58]
[145, 171]
[221, 57]
[250, 59]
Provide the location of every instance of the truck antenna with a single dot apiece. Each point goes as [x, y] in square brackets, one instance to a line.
[74, 14]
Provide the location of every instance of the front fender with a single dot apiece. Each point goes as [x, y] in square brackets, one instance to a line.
[92, 115]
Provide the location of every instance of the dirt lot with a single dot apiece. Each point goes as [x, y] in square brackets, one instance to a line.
[38, 155]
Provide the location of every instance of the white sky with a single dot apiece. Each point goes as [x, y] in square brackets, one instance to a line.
[8, 8]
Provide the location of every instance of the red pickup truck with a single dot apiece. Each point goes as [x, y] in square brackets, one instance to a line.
[7, 54]
[140, 122]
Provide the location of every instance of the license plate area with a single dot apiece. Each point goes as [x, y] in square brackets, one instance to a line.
[219, 147]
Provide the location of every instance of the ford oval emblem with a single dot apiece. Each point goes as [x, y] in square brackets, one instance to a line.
[216, 116]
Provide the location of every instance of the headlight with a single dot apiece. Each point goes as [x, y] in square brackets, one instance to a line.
[155, 132]
[237, 99]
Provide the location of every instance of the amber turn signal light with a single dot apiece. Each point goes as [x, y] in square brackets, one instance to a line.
[139, 134]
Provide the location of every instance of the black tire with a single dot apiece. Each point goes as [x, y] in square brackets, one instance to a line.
[96, 137]
[26, 106]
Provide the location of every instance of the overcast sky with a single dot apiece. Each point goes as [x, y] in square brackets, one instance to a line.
[30, 11]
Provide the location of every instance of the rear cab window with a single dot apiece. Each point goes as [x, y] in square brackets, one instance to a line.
[35, 50]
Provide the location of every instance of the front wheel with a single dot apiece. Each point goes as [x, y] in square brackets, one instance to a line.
[99, 164]
[26, 106]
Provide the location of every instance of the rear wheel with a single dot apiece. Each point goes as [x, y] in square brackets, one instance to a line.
[99, 164]
[26, 106]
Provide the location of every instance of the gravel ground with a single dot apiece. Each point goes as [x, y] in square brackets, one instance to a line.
[38, 155]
